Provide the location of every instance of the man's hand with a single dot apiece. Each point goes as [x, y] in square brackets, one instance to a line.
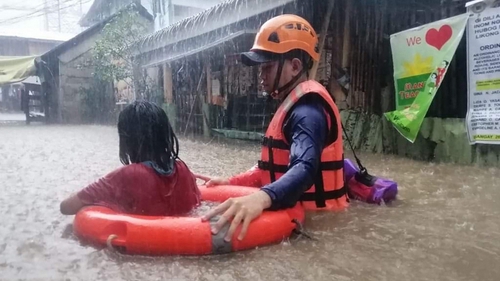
[242, 209]
[209, 181]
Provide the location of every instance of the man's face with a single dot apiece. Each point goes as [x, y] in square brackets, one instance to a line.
[268, 72]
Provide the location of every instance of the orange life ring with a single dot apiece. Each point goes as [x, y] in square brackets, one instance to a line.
[151, 235]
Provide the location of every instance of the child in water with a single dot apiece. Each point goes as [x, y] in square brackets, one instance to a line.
[153, 180]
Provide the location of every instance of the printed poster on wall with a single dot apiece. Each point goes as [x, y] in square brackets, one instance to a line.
[421, 57]
[483, 54]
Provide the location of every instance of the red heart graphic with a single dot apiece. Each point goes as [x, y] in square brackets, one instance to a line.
[437, 39]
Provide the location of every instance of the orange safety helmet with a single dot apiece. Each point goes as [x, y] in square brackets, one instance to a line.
[281, 35]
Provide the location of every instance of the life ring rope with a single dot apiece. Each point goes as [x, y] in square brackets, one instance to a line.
[299, 230]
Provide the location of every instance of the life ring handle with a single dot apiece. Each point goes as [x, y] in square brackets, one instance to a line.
[110, 239]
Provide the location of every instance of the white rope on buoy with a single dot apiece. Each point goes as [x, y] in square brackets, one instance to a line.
[109, 240]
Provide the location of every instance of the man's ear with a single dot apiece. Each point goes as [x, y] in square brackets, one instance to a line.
[297, 66]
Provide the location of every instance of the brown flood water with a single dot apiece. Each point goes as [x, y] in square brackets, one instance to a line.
[445, 225]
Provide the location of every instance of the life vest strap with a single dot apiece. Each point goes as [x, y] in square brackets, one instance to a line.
[319, 192]
[272, 170]
[266, 166]
[274, 143]
[324, 166]
[320, 195]
[331, 165]
[328, 195]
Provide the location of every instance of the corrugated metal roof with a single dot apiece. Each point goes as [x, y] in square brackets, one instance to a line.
[166, 57]
[219, 16]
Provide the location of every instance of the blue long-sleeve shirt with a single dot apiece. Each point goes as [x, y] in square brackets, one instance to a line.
[306, 129]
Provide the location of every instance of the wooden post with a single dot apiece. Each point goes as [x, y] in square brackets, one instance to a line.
[324, 31]
[167, 84]
[60, 95]
[197, 95]
[334, 87]
[347, 35]
[25, 104]
[209, 83]
[205, 108]
[168, 96]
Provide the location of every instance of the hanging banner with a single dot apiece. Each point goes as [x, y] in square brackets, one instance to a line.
[421, 57]
[483, 63]
[16, 69]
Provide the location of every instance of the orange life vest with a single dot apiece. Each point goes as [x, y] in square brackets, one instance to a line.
[328, 191]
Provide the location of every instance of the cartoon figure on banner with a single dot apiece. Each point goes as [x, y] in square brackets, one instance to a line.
[437, 77]
[441, 71]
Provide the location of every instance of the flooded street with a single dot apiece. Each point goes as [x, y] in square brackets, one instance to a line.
[444, 226]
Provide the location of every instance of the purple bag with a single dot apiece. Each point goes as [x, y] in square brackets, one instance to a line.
[367, 188]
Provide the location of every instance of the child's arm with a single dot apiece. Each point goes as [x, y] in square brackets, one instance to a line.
[107, 191]
[251, 178]
[71, 205]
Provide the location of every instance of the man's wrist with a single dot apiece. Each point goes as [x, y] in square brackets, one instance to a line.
[266, 200]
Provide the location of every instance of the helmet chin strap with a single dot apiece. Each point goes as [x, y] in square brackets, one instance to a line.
[277, 91]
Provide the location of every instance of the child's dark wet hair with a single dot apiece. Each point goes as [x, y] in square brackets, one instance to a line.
[146, 135]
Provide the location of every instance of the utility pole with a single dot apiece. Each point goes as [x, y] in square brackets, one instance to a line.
[46, 14]
[169, 13]
[59, 15]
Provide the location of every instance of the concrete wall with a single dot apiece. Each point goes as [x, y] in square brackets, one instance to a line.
[73, 76]
[439, 140]
[72, 79]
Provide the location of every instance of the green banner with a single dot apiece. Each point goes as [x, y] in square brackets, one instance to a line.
[421, 57]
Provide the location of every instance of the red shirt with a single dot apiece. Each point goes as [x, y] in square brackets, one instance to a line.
[139, 189]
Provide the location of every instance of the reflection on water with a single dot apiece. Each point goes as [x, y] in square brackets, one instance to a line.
[445, 225]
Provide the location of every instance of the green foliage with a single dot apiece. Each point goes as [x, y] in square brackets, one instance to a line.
[112, 53]
[112, 61]
[149, 90]
[98, 106]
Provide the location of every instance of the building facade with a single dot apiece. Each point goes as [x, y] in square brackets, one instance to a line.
[203, 49]
[164, 12]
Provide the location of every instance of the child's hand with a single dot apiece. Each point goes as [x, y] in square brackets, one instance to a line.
[209, 181]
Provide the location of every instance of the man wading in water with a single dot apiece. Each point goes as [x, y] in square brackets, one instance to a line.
[302, 152]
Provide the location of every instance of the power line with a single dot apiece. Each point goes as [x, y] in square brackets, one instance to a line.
[46, 10]
[7, 7]
[34, 13]
[62, 16]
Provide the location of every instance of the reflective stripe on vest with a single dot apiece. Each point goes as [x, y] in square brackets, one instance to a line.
[329, 182]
